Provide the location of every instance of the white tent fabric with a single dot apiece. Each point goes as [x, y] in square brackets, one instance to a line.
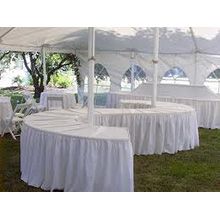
[197, 52]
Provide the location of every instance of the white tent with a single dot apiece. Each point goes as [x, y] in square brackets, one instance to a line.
[194, 50]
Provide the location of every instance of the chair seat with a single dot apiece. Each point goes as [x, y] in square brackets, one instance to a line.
[20, 115]
[17, 119]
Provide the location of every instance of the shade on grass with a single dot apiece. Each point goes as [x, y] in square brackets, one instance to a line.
[194, 170]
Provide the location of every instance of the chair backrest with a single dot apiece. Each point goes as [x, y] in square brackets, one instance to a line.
[22, 108]
[55, 102]
[27, 95]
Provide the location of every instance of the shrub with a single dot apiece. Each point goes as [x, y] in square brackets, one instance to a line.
[61, 80]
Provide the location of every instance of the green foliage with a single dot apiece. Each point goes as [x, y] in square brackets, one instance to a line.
[30, 81]
[16, 97]
[55, 63]
[139, 74]
[18, 80]
[214, 75]
[61, 80]
[100, 73]
[6, 58]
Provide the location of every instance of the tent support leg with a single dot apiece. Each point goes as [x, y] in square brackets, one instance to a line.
[43, 52]
[155, 62]
[91, 60]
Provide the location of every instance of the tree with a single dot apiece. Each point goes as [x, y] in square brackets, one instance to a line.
[54, 63]
[6, 58]
[100, 73]
[215, 74]
[139, 74]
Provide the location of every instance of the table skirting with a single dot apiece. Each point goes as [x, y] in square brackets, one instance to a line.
[5, 111]
[59, 151]
[166, 129]
[207, 110]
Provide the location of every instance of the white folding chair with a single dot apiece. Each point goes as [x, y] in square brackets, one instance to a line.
[14, 122]
[27, 95]
[36, 107]
[55, 102]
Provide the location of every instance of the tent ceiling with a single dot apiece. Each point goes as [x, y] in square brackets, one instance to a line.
[172, 40]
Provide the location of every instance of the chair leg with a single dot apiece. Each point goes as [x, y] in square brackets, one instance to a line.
[2, 133]
[5, 128]
[13, 136]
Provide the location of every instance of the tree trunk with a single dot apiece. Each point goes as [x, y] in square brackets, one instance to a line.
[38, 90]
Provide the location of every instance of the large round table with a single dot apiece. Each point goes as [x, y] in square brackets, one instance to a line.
[207, 110]
[5, 110]
[169, 128]
[60, 151]
[132, 104]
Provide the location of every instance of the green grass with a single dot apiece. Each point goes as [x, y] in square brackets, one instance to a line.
[16, 96]
[194, 170]
[10, 167]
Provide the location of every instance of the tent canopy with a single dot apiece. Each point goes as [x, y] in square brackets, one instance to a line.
[172, 40]
[195, 50]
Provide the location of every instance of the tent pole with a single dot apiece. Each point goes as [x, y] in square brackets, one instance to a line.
[195, 72]
[43, 52]
[91, 60]
[155, 62]
[132, 71]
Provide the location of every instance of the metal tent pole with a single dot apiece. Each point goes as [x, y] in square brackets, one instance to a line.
[155, 62]
[91, 60]
[43, 52]
[195, 65]
[132, 71]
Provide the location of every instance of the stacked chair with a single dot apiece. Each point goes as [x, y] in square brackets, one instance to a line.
[13, 123]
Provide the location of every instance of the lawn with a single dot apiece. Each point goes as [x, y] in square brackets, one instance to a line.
[16, 96]
[194, 170]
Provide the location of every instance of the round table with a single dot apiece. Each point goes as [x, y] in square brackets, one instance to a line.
[207, 110]
[68, 99]
[5, 110]
[124, 103]
[166, 129]
[133, 104]
[60, 151]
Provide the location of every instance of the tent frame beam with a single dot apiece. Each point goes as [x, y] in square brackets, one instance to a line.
[6, 33]
[194, 40]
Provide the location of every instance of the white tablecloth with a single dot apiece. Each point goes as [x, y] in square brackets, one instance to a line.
[207, 110]
[68, 99]
[5, 110]
[59, 151]
[176, 90]
[132, 104]
[166, 129]
[113, 98]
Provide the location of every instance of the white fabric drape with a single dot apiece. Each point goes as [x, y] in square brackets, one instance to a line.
[167, 129]
[59, 151]
[207, 109]
[5, 111]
